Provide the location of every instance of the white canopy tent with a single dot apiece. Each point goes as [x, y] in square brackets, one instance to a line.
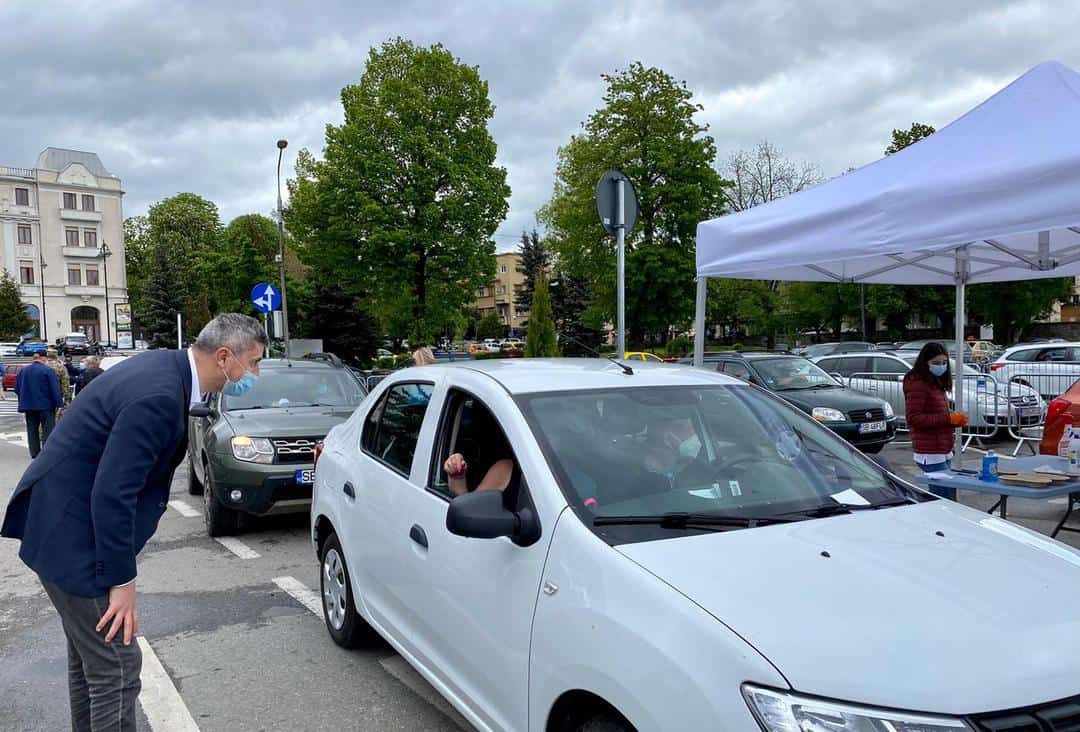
[993, 197]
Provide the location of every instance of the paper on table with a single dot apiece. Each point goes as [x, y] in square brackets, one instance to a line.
[849, 498]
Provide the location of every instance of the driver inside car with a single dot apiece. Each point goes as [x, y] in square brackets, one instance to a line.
[497, 477]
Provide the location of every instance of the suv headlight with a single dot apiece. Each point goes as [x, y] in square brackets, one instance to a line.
[828, 414]
[889, 413]
[252, 449]
[779, 711]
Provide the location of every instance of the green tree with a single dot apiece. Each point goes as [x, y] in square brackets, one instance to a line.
[570, 296]
[1011, 306]
[138, 261]
[535, 259]
[337, 317]
[246, 259]
[166, 295]
[903, 138]
[540, 338]
[405, 200]
[490, 327]
[187, 227]
[14, 322]
[198, 313]
[646, 128]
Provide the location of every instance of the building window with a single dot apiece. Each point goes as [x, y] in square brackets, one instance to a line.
[92, 275]
[502, 269]
[26, 272]
[90, 238]
[88, 202]
[22, 196]
[74, 276]
[69, 200]
[500, 290]
[24, 234]
[71, 237]
[482, 292]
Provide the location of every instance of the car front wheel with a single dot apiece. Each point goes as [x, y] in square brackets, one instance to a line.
[194, 487]
[346, 627]
[220, 519]
[606, 723]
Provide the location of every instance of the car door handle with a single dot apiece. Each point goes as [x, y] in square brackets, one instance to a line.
[349, 490]
[417, 534]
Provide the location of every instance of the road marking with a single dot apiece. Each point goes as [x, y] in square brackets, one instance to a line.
[184, 510]
[237, 547]
[160, 700]
[300, 592]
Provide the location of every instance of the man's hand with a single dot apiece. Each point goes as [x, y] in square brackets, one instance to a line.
[122, 613]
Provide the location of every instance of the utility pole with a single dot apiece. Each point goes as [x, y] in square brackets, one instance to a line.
[105, 252]
[282, 144]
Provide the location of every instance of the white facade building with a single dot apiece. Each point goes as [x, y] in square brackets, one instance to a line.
[58, 221]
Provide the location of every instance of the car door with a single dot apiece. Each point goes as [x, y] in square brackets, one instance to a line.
[474, 598]
[889, 373]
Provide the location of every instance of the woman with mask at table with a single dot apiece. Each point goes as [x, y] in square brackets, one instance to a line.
[929, 419]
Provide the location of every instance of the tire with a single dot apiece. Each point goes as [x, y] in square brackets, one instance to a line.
[605, 723]
[343, 622]
[194, 487]
[220, 519]
[872, 449]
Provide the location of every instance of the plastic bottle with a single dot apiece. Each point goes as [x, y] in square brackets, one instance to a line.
[990, 466]
[1063, 443]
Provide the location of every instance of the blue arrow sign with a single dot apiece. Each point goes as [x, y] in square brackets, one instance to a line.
[265, 297]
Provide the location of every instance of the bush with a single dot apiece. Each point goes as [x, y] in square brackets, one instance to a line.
[737, 347]
[679, 346]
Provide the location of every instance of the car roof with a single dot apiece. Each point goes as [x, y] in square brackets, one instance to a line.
[534, 375]
[1040, 346]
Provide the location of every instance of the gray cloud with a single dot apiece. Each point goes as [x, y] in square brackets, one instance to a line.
[193, 96]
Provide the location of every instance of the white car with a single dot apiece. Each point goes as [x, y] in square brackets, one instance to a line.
[7, 350]
[1050, 368]
[989, 404]
[675, 550]
[492, 345]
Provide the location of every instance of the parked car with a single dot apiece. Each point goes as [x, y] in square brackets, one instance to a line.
[491, 345]
[827, 349]
[755, 534]
[31, 346]
[7, 350]
[11, 371]
[1050, 368]
[77, 344]
[254, 454]
[865, 421]
[987, 404]
[1062, 411]
[643, 356]
[912, 348]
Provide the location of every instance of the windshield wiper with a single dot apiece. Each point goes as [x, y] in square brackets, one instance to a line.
[837, 509]
[244, 409]
[679, 520]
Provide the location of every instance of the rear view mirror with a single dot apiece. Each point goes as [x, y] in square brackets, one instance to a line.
[201, 410]
[482, 516]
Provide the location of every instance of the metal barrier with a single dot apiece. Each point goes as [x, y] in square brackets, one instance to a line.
[1050, 379]
[1028, 418]
[883, 386]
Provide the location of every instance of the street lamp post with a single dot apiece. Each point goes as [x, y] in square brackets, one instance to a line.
[105, 253]
[282, 144]
[41, 271]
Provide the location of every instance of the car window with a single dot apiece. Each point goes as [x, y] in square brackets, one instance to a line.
[851, 365]
[1054, 354]
[393, 425]
[888, 366]
[1025, 355]
[828, 364]
[791, 373]
[737, 369]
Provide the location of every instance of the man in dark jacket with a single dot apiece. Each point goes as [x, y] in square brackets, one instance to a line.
[87, 506]
[38, 388]
[91, 372]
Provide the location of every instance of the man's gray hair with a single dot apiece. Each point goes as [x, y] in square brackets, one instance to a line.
[239, 333]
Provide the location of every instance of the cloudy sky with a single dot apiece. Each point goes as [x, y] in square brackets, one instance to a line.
[191, 96]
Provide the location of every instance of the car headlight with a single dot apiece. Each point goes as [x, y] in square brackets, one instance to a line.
[252, 449]
[828, 414]
[889, 413]
[779, 711]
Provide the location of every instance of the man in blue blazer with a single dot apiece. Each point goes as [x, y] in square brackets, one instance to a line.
[93, 497]
[38, 389]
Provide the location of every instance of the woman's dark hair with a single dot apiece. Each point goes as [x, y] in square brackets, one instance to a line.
[922, 365]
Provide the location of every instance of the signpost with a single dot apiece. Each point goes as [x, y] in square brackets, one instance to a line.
[266, 299]
[617, 207]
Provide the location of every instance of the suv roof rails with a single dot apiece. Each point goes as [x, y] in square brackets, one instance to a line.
[328, 357]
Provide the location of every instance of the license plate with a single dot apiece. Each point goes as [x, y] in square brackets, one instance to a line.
[1030, 411]
[305, 477]
[871, 427]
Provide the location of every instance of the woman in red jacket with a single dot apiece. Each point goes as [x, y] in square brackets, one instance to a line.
[929, 420]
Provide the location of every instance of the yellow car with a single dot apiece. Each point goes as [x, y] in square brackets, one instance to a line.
[642, 356]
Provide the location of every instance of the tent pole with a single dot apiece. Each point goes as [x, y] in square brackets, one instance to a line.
[699, 320]
[958, 370]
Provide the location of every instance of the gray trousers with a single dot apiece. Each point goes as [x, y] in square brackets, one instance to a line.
[103, 678]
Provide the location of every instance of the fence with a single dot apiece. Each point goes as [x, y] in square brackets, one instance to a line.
[1048, 383]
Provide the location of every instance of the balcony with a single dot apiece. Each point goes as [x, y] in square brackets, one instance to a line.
[7, 171]
[82, 252]
[89, 290]
[74, 214]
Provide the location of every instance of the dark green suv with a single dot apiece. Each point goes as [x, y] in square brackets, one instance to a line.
[255, 454]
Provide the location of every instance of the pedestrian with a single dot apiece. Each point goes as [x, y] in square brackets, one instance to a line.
[61, 373]
[91, 371]
[38, 389]
[930, 421]
[87, 505]
[423, 356]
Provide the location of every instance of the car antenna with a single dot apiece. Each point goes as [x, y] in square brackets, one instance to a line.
[626, 369]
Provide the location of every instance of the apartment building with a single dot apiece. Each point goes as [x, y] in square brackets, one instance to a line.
[499, 296]
[62, 239]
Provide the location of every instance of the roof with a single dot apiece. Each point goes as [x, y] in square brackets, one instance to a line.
[532, 375]
[58, 159]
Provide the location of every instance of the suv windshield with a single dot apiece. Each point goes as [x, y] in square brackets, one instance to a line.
[75, 339]
[722, 452]
[792, 373]
[298, 387]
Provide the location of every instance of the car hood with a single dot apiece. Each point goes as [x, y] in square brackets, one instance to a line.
[842, 398]
[983, 617]
[290, 422]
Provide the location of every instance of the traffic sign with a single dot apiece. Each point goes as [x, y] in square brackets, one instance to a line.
[266, 297]
[607, 202]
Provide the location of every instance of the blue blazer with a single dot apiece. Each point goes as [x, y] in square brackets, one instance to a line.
[90, 501]
[38, 388]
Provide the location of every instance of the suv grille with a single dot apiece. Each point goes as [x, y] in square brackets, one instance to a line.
[1060, 716]
[295, 449]
[876, 414]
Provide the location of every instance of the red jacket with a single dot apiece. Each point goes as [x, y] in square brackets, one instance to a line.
[927, 410]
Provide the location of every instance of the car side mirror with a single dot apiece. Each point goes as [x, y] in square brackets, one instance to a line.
[201, 410]
[483, 516]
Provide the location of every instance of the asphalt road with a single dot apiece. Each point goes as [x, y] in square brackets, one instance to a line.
[233, 643]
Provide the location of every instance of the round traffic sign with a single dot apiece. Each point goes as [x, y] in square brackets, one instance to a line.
[607, 201]
[265, 297]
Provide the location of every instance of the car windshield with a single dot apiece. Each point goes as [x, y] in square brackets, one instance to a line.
[723, 451]
[910, 361]
[298, 387]
[76, 339]
[783, 374]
